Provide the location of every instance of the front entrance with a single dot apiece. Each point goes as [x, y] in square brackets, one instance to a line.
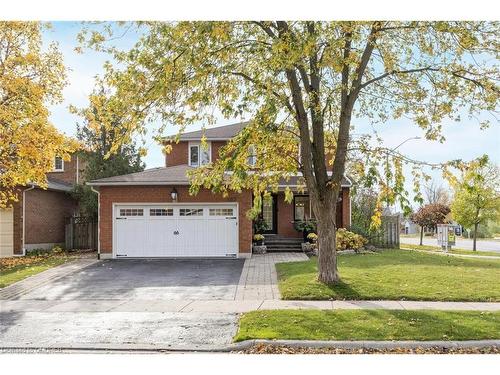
[269, 213]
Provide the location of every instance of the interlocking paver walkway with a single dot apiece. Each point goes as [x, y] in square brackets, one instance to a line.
[259, 280]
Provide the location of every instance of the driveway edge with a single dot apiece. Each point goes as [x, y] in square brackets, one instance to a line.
[243, 345]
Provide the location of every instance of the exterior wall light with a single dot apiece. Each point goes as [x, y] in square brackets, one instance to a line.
[173, 195]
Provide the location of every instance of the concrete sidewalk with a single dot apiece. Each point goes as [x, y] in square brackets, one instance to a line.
[228, 306]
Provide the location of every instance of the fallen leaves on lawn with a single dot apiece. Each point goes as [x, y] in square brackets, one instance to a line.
[272, 349]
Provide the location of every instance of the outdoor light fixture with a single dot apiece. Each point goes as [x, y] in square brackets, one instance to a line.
[173, 195]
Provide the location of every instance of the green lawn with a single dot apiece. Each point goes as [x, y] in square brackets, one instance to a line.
[16, 269]
[395, 275]
[369, 325]
[438, 249]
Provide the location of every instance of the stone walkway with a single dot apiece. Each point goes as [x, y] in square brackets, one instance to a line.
[258, 279]
[24, 286]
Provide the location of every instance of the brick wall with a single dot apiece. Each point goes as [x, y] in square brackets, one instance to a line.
[69, 173]
[346, 208]
[46, 212]
[178, 155]
[161, 194]
[285, 217]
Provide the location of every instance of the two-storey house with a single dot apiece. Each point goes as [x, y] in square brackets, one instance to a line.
[152, 214]
[37, 219]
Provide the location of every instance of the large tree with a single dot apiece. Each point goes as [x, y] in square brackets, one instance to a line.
[476, 197]
[30, 79]
[106, 153]
[303, 83]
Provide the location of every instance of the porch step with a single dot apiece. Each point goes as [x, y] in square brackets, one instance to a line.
[283, 244]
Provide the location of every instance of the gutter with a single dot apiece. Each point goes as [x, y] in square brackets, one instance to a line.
[24, 217]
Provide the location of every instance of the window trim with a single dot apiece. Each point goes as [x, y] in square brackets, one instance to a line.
[305, 208]
[54, 169]
[200, 150]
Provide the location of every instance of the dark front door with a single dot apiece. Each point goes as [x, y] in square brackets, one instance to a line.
[269, 213]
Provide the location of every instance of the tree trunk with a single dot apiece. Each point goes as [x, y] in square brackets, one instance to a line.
[421, 235]
[475, 237]
[327, 253]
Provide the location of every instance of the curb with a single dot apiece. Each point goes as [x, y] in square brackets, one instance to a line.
[243, 345]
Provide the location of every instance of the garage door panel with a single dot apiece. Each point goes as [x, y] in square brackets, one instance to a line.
[6, 232]
[176, 231]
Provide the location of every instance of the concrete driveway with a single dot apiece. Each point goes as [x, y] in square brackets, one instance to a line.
[131, 303]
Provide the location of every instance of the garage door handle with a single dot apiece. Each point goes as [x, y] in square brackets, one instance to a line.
[176, 232]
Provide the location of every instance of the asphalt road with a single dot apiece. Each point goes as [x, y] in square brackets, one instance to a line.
[484, 245]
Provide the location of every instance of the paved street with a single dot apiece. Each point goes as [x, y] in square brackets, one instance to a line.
[484, 245]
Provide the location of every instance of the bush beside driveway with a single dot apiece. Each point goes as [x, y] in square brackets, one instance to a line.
[395, 275]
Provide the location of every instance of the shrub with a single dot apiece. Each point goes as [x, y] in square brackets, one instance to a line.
[312, 236]
[259, 224]
[258, 237]
[305, 226]
[57, 250]
[349, 240]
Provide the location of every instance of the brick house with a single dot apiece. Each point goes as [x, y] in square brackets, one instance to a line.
[37, 219]
[152, 214]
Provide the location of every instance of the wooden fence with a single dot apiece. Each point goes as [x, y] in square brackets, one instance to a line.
[388, 236]
[81, 233]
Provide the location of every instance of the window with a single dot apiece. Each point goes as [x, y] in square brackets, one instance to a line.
[252, 156]
[131, 212]
[221, 212]
[161, 212]
[191, 212]
[198, 154]
[194, 155]
[58, 164]
[301, 207]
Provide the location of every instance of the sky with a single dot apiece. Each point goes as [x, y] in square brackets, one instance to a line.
[464, 140]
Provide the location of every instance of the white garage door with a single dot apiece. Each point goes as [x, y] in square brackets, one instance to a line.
[175, 231]
[6, 233]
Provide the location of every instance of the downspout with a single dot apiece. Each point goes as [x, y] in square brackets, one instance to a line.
[98, 221]
[24, 218]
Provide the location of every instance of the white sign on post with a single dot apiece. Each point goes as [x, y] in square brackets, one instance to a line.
[446, 236]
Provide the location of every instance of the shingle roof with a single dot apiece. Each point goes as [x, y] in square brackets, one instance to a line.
[220, 132]
[53, 184]
[176, 175]
[299, 181]
[156, 176]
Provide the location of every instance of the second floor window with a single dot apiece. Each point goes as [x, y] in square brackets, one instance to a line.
[58, 164]
[252, 156]
[199, 155]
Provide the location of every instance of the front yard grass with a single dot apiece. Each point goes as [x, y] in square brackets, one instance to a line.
[17, 268]
[395, 275]
[419, 325]
[437, 249]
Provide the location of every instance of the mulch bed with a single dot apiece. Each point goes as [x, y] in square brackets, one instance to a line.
[271, 349]
[28, 260]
